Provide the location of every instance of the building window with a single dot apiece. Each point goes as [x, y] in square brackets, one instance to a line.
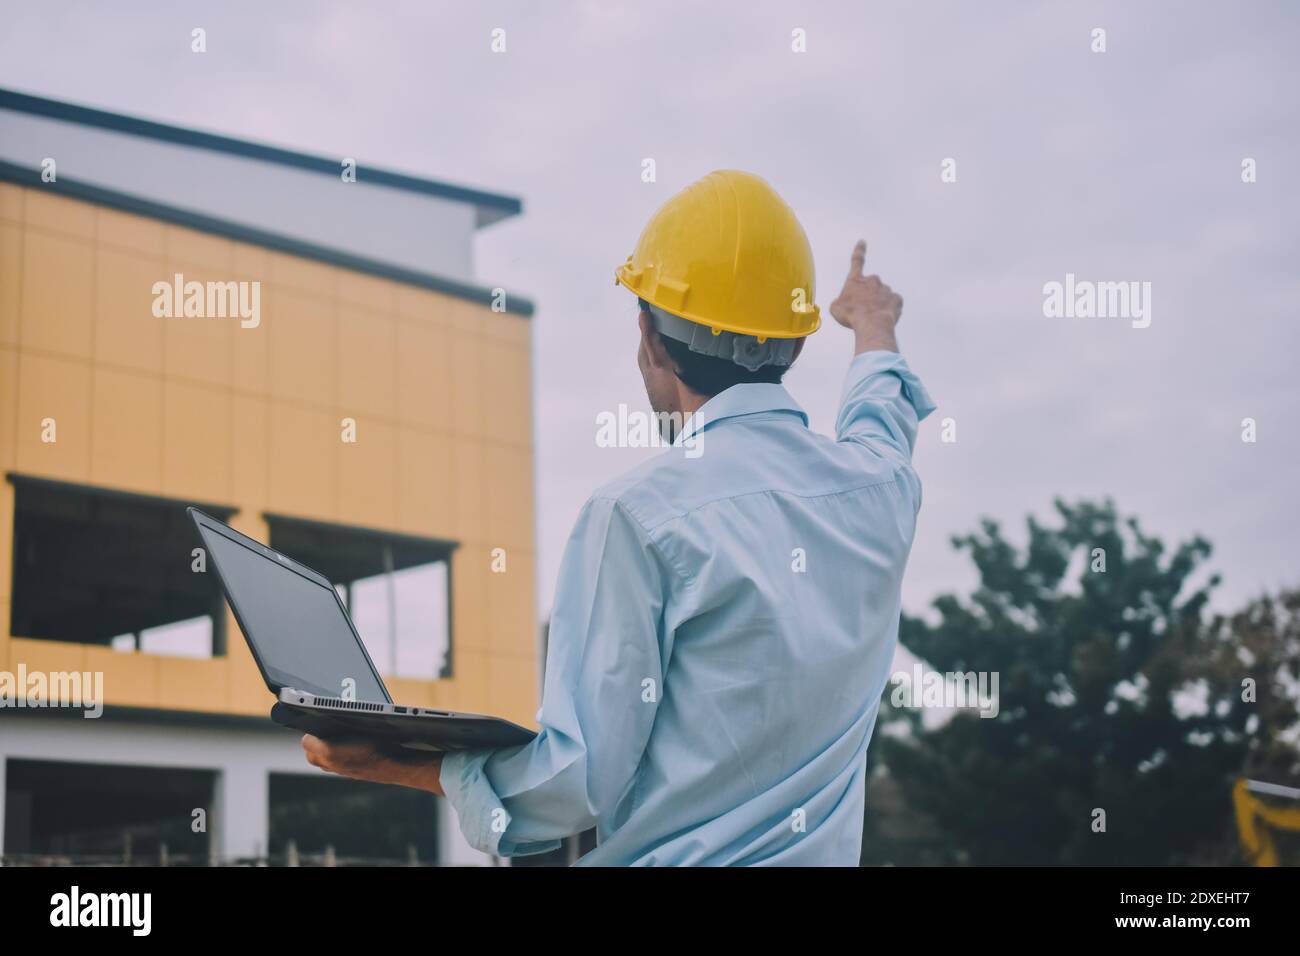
[94, 814]
[397, 589]
[94, 566]
[319, 820]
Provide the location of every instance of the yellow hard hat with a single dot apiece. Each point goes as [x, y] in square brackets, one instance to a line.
[727, 252]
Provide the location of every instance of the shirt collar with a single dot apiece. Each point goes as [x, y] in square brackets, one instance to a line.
[748, 399]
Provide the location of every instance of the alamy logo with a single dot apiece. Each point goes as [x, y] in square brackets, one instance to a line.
[946, 690]
[630, 428]
[208, 300]
[40, 689]
[133, 910]
[1084, 299]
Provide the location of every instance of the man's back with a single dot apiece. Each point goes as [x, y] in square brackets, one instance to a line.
[723, 631]
[725, 616]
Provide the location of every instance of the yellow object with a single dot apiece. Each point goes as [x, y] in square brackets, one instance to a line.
[727, 252]
[189, 410]
[1256, 840]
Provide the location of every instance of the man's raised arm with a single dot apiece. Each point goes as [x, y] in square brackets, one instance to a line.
[884, 402]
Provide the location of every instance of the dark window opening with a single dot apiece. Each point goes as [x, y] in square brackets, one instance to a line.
[95, 566]
[397, 589]
[356, 821]
[135, 815]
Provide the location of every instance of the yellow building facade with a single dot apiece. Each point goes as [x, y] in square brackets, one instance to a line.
[205, 409]
[366, 396]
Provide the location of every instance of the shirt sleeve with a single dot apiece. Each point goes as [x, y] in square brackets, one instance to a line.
[603, 683]
[883, 405]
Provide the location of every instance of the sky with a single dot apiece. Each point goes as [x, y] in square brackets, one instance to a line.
[1115, 166]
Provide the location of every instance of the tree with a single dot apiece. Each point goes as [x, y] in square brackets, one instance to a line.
[1121, 721]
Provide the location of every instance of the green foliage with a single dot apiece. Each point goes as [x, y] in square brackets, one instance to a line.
[1117, 693]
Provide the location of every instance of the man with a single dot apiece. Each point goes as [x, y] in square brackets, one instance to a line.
[725, 619]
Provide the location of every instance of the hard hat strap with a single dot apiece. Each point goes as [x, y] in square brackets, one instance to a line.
[745, 350]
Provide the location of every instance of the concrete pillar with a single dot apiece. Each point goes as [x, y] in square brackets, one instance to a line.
[242, 812]
[3, 763]
[453, 848]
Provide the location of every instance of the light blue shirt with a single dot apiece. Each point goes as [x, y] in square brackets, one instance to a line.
[722, 632]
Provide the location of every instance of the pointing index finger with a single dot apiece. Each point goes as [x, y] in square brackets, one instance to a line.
[858, 258]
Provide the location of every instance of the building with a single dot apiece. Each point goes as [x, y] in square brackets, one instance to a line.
[337, 385]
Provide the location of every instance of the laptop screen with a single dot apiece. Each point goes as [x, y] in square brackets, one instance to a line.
[298, 626]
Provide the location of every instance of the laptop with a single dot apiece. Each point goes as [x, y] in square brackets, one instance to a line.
[315, 663]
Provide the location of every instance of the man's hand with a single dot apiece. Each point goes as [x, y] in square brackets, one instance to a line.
[868, 307]
[362, 760]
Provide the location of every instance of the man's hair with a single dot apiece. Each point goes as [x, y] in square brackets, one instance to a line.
[709, 375]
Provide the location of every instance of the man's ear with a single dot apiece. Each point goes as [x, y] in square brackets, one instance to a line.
[653, 344]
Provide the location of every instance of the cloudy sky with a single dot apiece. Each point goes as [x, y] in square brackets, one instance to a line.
[1115, 166]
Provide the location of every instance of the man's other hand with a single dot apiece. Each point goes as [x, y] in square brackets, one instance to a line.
[868, 307]
[363, 760]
